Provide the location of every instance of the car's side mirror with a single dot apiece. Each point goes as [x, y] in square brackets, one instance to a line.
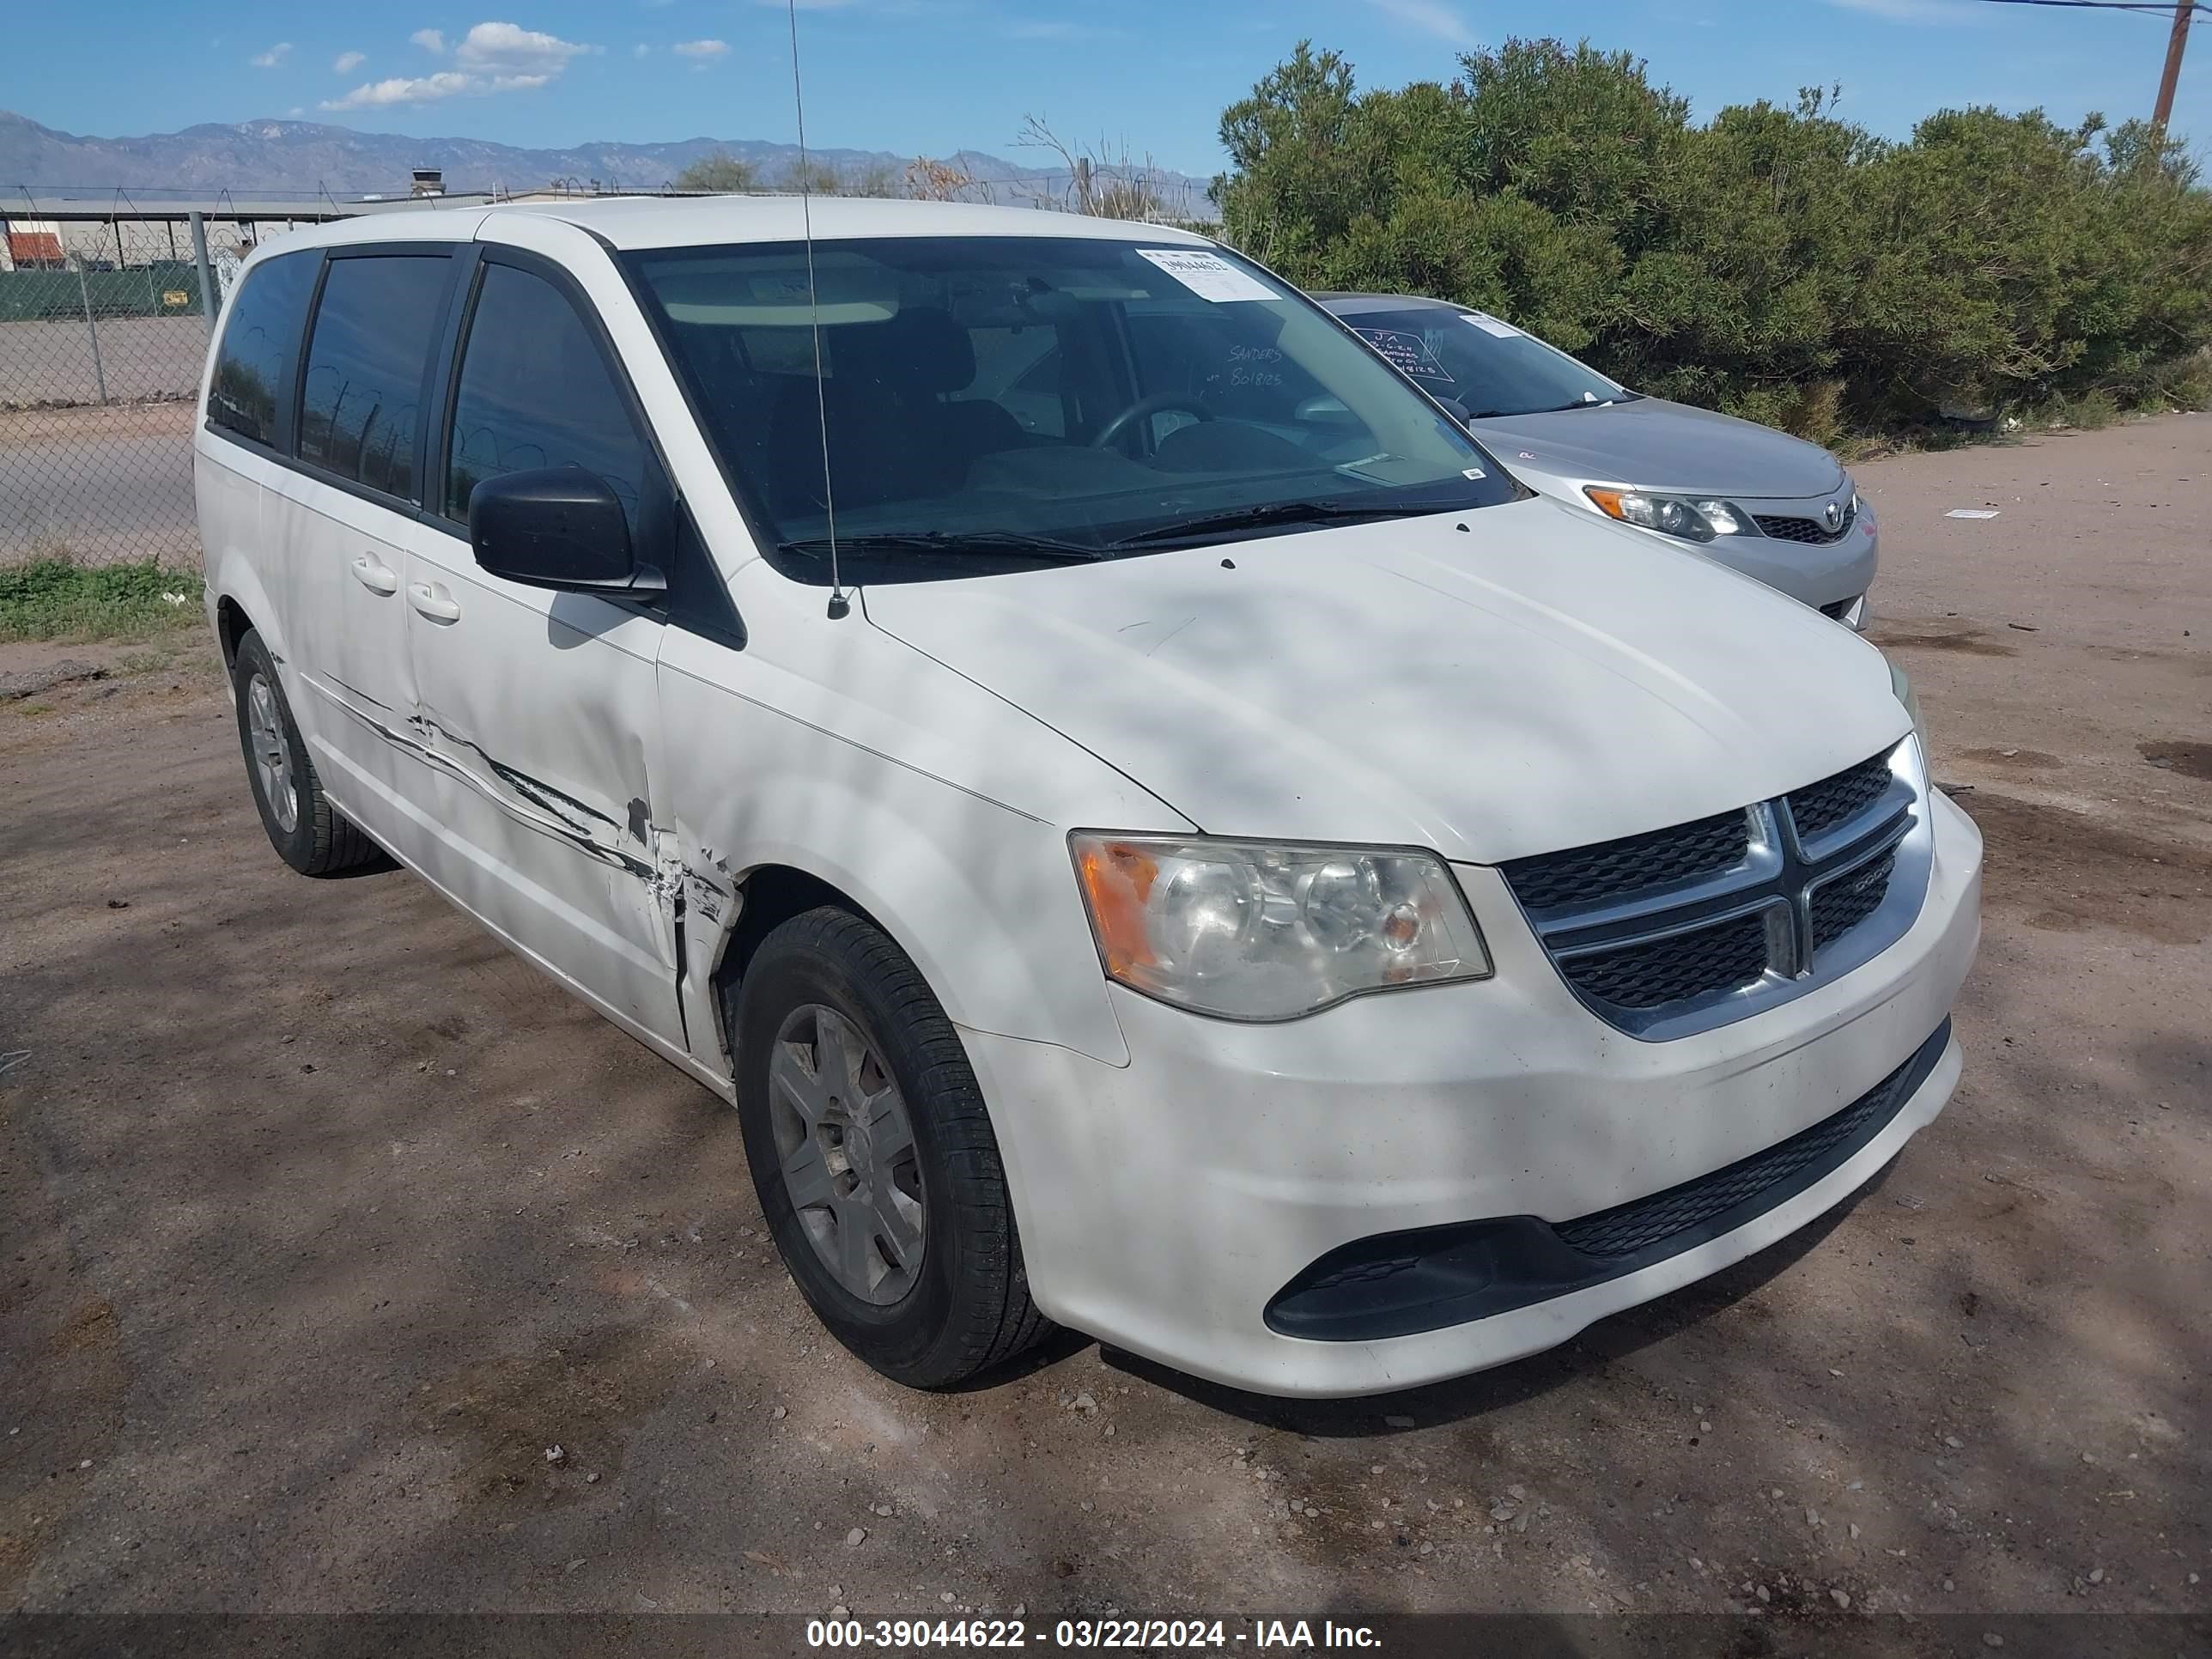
[1456, 409]
[559, 527]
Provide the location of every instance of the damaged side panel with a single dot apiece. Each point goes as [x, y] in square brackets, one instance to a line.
[537, 718]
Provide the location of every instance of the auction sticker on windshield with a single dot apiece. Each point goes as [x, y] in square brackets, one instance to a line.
[1408, 352]
[1208, 275]
[1489, 325]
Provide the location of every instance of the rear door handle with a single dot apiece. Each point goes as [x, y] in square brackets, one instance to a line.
[374, 574]
[434, 602]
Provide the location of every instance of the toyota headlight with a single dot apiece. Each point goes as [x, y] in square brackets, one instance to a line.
[1903, 687]
[1694, 518]
[1263, 931]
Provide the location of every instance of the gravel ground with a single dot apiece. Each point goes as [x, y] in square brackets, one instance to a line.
[327, 1223]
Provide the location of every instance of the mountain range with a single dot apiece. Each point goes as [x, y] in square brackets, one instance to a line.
[273, 158]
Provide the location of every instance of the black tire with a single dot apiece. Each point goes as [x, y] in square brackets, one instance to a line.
[321, 841]
[968, 1308]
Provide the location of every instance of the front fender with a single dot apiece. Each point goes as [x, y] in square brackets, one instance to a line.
[933, 805]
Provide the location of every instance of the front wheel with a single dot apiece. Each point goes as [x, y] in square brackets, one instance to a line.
[874, 1156]
[308, 833]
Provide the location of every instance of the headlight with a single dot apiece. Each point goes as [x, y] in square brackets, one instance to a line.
[1694, 518]
[1256, 930]
[1903, 687]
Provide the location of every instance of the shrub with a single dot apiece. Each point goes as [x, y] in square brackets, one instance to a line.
[1776, 261]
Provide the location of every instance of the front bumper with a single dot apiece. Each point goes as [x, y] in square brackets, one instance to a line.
[1164, 1203]
[1820, 574]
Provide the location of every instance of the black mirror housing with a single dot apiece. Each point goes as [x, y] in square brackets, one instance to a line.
[1454, 408]
[560, 527]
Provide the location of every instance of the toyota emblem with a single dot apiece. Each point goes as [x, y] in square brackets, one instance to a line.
[1833, 516]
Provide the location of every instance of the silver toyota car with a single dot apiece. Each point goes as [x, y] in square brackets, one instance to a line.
[1760, 500]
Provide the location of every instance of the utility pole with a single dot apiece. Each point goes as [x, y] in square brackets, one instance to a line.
[2167, 82]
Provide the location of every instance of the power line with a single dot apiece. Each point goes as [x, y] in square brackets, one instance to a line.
[2160, 6]
[2183, 13]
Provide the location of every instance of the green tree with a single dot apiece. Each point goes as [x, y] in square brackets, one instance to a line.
[1777, 260]
[811, 178]
[721, 172]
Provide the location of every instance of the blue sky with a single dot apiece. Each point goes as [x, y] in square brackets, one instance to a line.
[935, 76]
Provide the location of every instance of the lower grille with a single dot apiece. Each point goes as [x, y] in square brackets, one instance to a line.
[1839, 609]
[1811, 531]
[1628, 1228]
[1403, 1283]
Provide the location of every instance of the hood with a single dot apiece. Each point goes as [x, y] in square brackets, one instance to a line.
[1540, 679]
[1656, 445]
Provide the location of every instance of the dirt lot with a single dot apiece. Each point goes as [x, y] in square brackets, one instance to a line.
[324, 1220]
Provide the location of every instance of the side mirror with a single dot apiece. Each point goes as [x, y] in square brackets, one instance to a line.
[1456, 409]
[559, 527]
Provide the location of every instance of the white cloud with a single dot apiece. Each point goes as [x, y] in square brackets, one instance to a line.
[509, 49]
[703, 50]
[1430, 17]
[401, 89]
[347, 62]
[275, 55]
[490, 57]
[641, 50]
[1914, 11]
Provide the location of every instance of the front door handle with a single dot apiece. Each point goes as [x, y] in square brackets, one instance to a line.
[374, 574]
[434, 602]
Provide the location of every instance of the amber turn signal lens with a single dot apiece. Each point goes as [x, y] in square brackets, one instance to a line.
[1118, 878]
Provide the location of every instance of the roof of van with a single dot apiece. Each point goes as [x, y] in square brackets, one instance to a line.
[638, 221]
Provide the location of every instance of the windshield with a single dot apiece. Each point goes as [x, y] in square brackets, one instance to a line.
[1491, 368]
[1004, 397]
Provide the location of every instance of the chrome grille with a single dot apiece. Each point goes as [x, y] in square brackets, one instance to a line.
[1663, 970]
[1678, 930]
[1821, 807]
[1840, 905]
[1586, 875]
[1811, 531]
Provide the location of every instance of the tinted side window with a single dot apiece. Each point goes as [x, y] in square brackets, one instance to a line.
[260, 339]
[535, 392]
[361, 400]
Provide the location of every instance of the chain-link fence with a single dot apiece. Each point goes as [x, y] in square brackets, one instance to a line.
[103, 328]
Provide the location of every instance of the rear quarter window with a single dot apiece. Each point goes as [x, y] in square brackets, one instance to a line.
[260, 341]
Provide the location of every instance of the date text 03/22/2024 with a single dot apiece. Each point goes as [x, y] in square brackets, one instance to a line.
[1279, 1634]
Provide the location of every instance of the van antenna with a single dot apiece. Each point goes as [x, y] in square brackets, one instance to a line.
[839, 605]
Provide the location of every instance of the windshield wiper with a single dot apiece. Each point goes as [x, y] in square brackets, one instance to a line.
[950, 544]
[1280, 512]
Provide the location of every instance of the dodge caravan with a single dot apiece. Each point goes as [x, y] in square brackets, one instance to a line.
[1150, 826]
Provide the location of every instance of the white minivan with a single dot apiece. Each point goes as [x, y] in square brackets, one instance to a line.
[1151, 828]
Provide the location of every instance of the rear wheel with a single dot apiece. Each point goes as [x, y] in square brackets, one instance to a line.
[874, 1156]
[308, 833]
